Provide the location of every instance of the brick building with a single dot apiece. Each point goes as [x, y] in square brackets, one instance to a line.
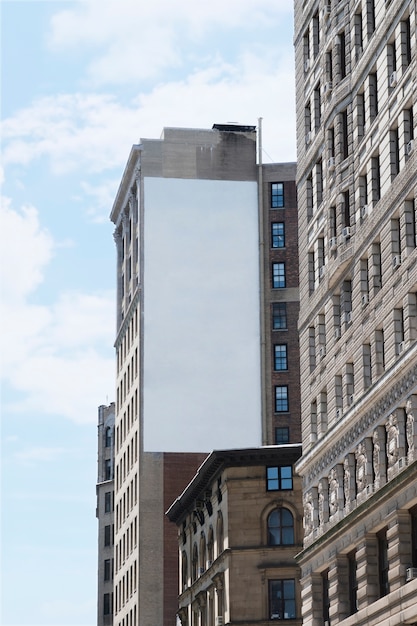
[356, 79]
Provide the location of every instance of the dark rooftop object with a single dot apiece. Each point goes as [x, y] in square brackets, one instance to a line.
[234, 128]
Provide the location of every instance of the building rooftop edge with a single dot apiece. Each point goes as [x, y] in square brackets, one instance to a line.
[218, 459]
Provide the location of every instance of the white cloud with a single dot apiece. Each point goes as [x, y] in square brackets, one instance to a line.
[59, 355]
[96, 131]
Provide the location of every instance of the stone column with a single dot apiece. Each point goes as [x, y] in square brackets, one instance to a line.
[312, 599]
[399, 548]
[338, 589]
[367, 571]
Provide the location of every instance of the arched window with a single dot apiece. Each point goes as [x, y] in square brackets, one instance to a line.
[210, 547]
[280, 528]
[184, 570]
[202, 553]
[194, 564]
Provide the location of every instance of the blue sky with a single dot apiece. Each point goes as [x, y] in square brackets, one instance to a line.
[81, 82]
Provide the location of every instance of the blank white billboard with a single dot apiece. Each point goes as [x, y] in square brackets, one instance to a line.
[201, 372]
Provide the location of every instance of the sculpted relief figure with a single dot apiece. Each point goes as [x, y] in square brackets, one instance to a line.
[308, 514]
[360, 468]
[392, 440]
[333, 492]
[411, 429]
[376, 455]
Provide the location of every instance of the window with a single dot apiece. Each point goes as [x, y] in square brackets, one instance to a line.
[107, 608]
[281, 399]
[108, 437]
[278, 275]
[107, 469]
[108, 502]
[279, 478]
[280, 358]
[325, 596]
[277, 235]
[282, 434]
[383, 564]
[184, 570]
[280, 528]
[277, 195]
[279, 315]
[194, 570]
[282, 599]
[353, 584]
[107, 535]
[394, 140]
[107, 569]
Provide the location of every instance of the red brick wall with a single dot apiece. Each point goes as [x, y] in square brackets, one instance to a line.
[179, 469]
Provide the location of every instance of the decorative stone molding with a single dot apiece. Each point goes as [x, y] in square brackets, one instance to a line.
[389, 401]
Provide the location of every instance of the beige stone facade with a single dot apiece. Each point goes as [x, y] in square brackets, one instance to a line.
[105, 514]
[239, 527]
[356, 79]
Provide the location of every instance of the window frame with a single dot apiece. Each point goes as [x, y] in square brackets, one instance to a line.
[284, 398]
[277, 195]
[279, 280]
[282, 439]
[281, 529]
[279, 316]
[277, 235]
[274, 613]
[280, 357]
[108, 502]
[277, 475]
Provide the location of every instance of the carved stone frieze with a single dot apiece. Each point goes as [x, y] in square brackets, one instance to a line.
[334, 452]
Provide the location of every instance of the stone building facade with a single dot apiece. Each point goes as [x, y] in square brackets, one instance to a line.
[105, 514]
[356, 79]
[239, 527]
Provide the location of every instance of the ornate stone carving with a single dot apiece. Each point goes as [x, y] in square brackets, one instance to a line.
[323, 498]
[308, 514]
[378, 457]
[361, 477]
[393, 443]
[332, 454]
[411, 427]
[336, 477]
[349, 481]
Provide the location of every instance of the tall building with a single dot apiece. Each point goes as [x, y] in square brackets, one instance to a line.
[105, 514]
[356, 79]
[239, 528]
[207, 297]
